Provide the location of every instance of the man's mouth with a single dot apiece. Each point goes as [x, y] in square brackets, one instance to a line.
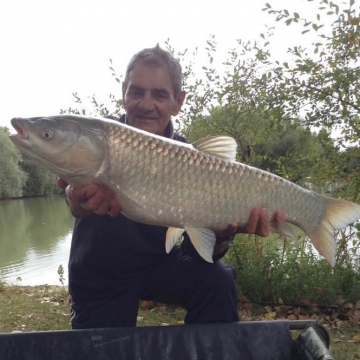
[146, 118]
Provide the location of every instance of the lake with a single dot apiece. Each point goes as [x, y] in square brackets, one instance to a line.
[35, 237]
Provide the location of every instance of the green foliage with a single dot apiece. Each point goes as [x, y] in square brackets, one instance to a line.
[290, 273]
[12, 178]
[290, 152]
[322, 81]
[39, 181]
[19, 176]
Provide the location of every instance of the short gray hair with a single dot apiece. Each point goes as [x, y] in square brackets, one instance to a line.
[157, 56]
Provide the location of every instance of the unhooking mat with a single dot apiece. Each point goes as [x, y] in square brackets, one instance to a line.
[226, 341]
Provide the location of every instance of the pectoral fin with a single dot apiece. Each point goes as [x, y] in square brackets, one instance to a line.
[104, 179]
[172, 236]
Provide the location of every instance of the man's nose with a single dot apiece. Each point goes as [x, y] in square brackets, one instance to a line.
[147, 102]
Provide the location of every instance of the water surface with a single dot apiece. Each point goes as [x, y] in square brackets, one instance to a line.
[35, 236]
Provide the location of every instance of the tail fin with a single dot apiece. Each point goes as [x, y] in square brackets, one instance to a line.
[338, 214]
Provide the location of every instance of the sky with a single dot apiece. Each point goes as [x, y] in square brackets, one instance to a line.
[51, 49]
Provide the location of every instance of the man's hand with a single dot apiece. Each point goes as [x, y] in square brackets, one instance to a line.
[91, 198]
[258, 223]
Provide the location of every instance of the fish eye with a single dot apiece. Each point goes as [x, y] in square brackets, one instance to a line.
[47, 134]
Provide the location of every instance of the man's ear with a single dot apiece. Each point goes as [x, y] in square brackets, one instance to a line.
[123, 91]
[179, 100]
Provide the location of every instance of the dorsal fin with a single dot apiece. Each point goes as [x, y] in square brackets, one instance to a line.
[223, 147]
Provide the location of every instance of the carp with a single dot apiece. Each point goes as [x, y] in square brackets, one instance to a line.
[195, 188]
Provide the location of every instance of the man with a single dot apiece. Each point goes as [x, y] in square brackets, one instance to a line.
[114, 262]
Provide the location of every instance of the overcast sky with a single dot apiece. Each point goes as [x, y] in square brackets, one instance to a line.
[50, 49]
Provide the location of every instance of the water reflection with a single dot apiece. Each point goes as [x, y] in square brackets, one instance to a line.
[35, 237]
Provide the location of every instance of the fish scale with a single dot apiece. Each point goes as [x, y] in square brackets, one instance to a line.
[195, 188]
[218, 184]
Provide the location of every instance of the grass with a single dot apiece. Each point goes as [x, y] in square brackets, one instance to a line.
[37, 308]
[42, 308]
[345, 343]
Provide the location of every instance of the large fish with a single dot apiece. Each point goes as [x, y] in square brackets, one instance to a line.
[194, 188]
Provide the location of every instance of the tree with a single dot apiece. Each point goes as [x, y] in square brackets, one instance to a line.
[322, 82]
[291, 151]
[12, 178]
[39, 181]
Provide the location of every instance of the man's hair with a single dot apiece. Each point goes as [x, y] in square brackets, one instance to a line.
[157, 57]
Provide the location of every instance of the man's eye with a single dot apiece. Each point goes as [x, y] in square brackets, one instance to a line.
[135, 93]
[161, 95]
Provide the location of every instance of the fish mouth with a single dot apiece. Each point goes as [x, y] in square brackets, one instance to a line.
[21, 138]
[21, 131]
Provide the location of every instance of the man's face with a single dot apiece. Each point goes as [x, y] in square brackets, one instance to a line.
[149, 98]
